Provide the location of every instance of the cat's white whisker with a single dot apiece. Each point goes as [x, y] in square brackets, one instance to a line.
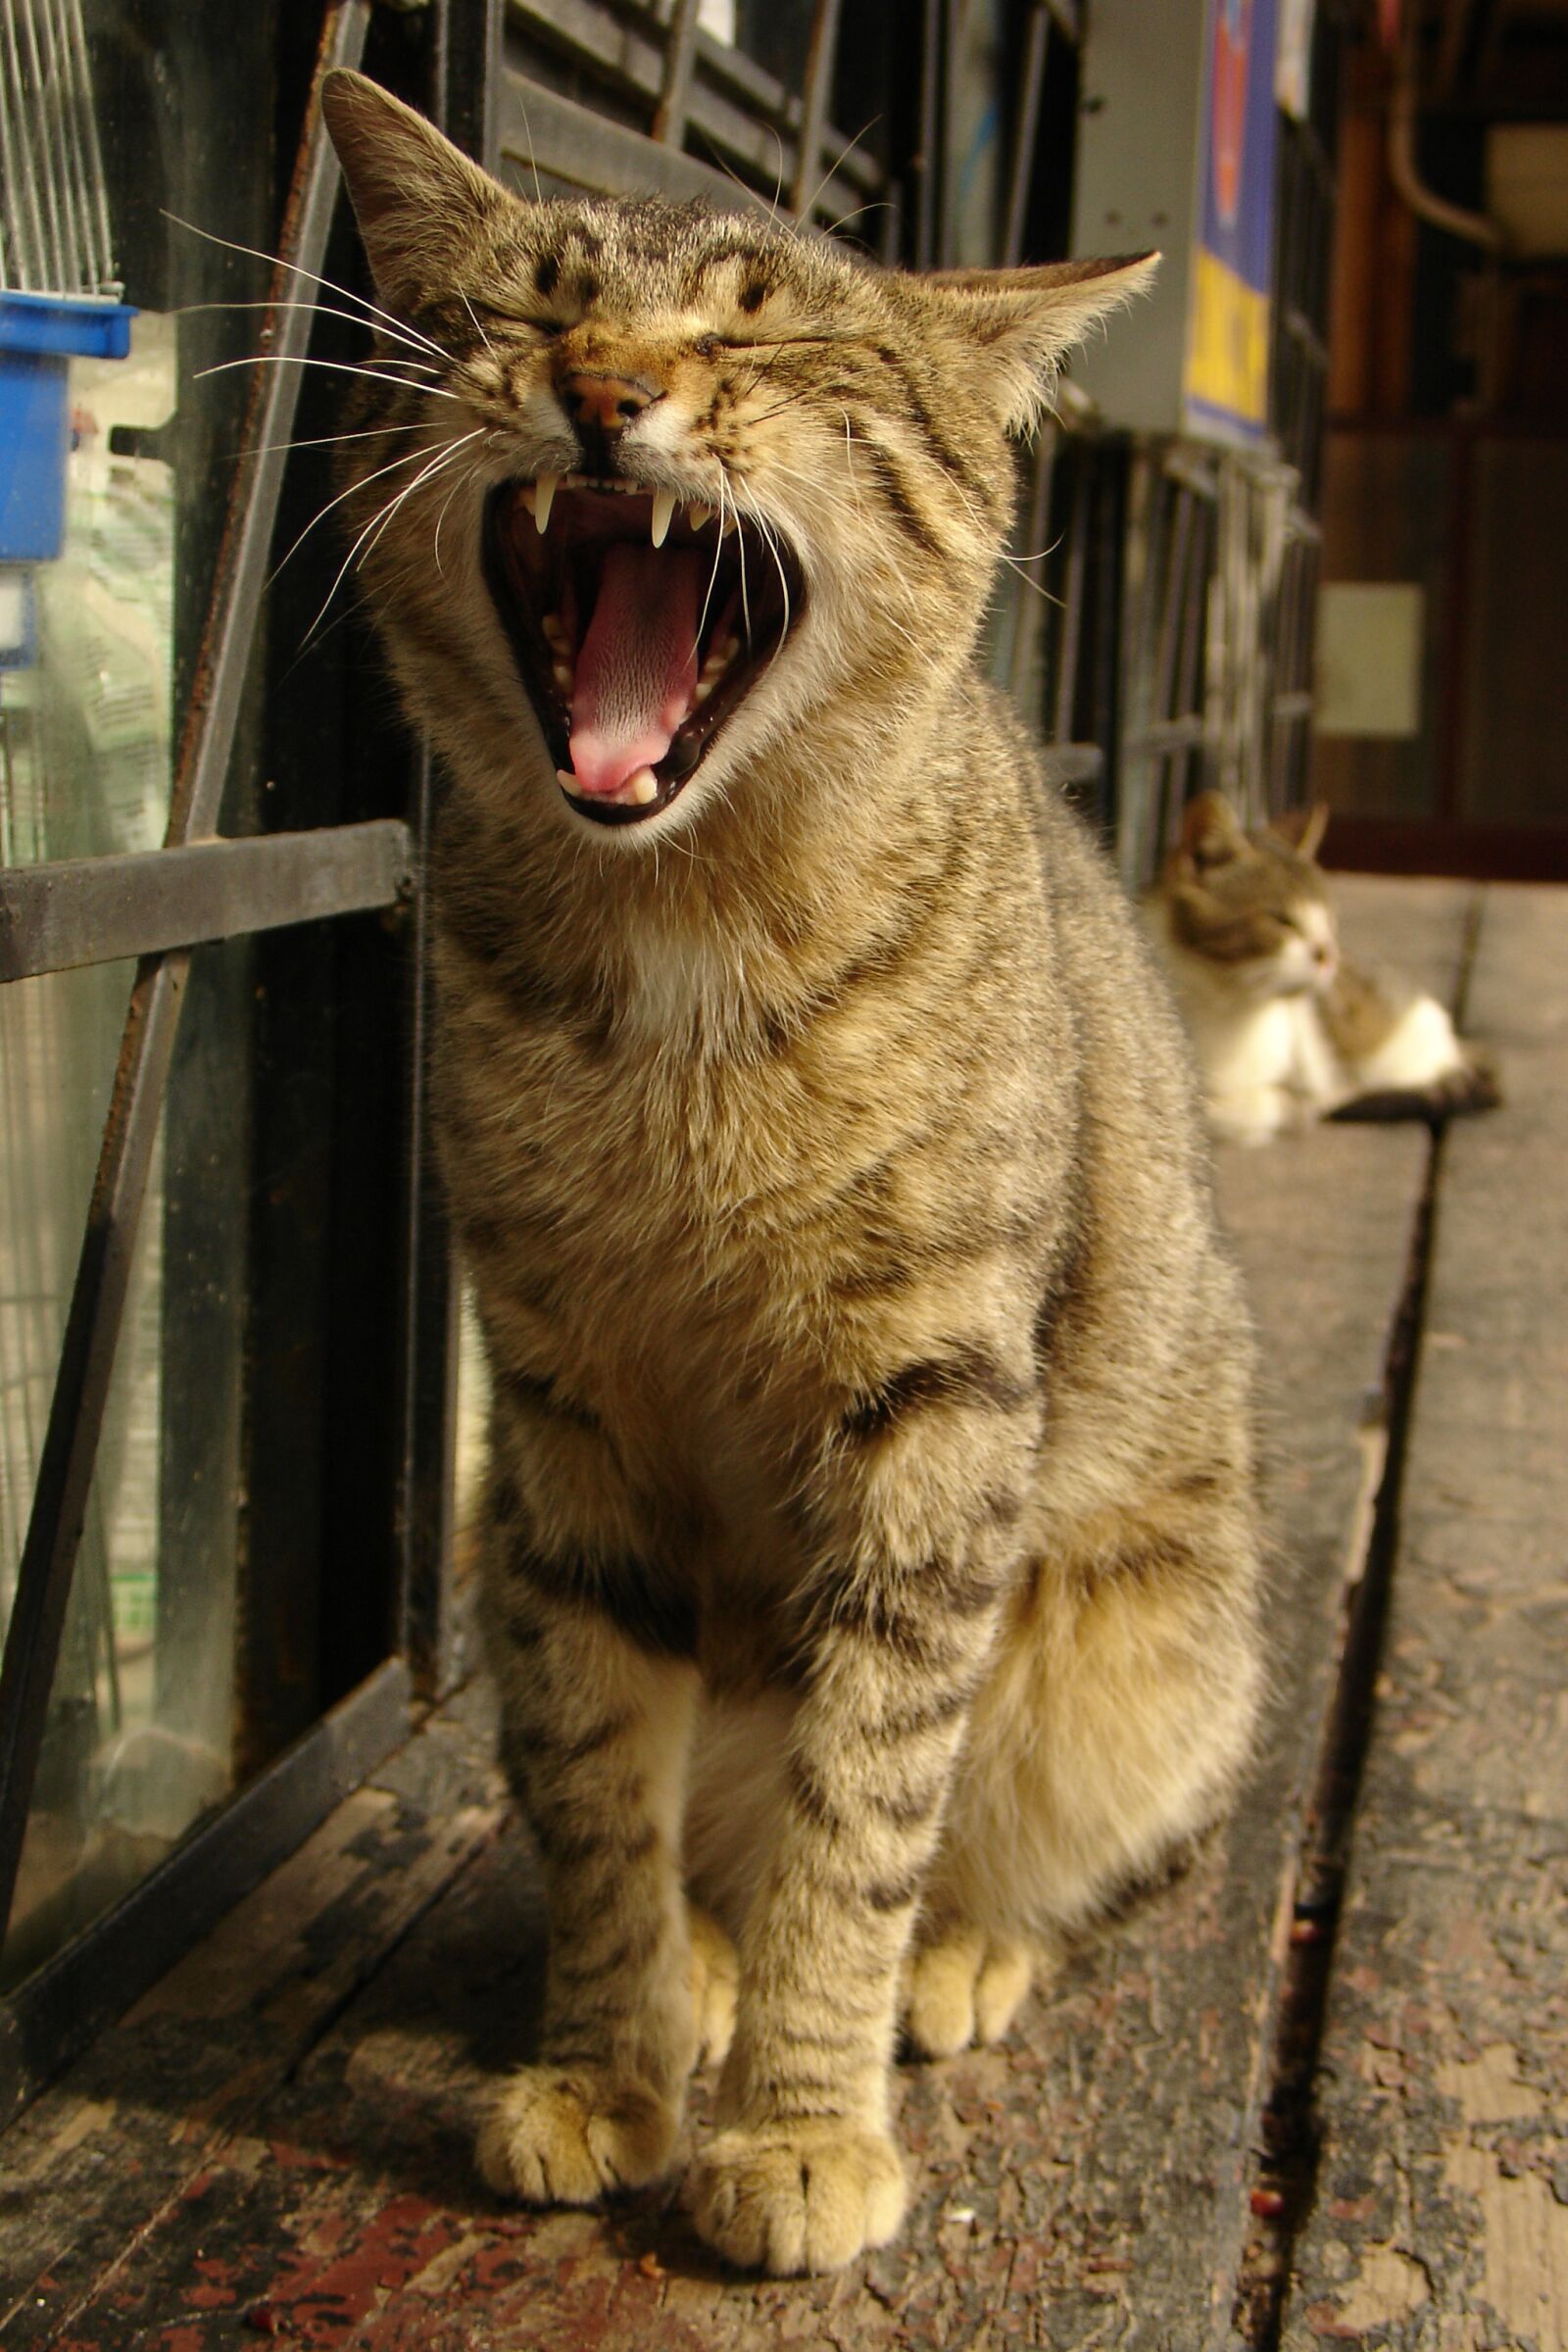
[372, 432]
[469, 473]
[289, 359]
[379, 521]
[477, 328]
[275, 262]
[320, 309]
[712, 577]
[409, 457]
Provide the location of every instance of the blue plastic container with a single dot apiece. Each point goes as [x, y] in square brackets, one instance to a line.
[39, 334]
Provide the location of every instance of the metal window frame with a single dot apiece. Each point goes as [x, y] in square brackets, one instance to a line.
[157, 907]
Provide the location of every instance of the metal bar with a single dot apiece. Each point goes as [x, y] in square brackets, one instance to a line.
[1026, 131]
[537, 129]
[930, 157]
[1075, 763]
[98, 1300]
[22, 176]
[1070, 629]
[54, 2015]
[462, 102]
[101, 909]
[815, 91]
[1165, 735]
[1029, 595]
[735, 104]
[429, 1351]
[674, 97]
[946, 160]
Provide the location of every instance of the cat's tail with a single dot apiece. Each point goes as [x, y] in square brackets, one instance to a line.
[1471, 1084]
[1399, 1053]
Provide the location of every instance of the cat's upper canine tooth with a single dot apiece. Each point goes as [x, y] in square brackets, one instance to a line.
[527, 496]
[699, 517]
[544, 498]
[663, 511]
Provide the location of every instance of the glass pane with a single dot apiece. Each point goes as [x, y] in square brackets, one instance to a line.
[59, 1039]
[140, 1740]
[135, 169]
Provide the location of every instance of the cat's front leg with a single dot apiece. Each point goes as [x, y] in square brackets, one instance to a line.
[805, 2174]
[597, 1702]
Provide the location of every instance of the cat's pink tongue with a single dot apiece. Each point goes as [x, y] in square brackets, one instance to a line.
[637, 666]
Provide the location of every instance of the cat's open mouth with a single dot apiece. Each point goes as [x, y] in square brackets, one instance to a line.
[638, 627]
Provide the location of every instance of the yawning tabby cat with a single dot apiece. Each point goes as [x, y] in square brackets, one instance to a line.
[870, 1537]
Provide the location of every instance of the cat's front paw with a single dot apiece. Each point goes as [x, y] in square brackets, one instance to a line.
[798, 2196]
[558, 2136]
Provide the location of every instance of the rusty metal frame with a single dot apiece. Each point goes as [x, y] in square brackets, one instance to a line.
[57, 917]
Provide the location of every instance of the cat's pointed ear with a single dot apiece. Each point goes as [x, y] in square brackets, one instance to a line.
[1210, 835]
[1024, 321]
[418, 200]
[1303, 828]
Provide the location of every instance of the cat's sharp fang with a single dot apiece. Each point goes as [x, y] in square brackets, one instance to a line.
[663, 511]
[699, 517]
[544, 490]
[526, 497]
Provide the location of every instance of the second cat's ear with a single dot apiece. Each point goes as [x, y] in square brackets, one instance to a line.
[1211, 834]
[1022, 323]
[418, 200]
[1302, 828]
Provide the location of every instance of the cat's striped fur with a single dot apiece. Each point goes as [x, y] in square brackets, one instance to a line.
[870, 1540]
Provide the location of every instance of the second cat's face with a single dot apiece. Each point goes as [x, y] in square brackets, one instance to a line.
[679, 484]
[1250, 905]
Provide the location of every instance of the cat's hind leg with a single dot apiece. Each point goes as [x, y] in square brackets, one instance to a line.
[964, 1984]
[715, 1980]
[1110, 1732]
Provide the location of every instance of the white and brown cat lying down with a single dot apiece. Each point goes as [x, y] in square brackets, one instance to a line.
[871, 1546]
[1285, 1030]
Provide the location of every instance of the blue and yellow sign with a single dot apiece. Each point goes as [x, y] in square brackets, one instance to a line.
[1226, 382]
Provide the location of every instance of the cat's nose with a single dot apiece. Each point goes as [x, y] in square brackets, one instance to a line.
[601, 406]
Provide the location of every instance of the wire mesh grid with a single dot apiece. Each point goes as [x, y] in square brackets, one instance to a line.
[55, 217]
